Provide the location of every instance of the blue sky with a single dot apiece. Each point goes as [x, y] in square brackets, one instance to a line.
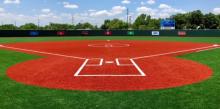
[95, 11]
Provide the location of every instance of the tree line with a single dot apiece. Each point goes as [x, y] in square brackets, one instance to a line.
[191, 20]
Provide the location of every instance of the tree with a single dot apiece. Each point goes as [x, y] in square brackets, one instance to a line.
[218, 16]
[8, 27]
[146, 22]
[84, 26]
[181, 21]
[56, 26]
[87, 25]
[106, 24]
[117, 24]
[196, 19]
[154, 24]
[114, 24]
[28, 26]
[142, 21]
[211, 21]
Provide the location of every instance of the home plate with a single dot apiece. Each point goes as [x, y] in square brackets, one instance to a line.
[109, 62]
[215, 45]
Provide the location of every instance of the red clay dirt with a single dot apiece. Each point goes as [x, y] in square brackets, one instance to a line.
[60, 71]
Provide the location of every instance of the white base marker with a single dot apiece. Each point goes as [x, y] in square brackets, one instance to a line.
[215, 45]
[109, 62]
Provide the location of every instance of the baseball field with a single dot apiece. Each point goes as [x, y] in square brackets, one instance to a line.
[110, 72]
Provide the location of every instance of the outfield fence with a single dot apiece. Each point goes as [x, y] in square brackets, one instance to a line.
[48, 33]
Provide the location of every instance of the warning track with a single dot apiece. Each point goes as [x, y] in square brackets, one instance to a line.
[109, 65]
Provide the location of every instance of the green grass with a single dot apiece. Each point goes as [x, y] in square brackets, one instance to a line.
[203, 95]
[40, 39]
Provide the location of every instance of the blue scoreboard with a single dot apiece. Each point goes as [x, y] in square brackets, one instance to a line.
[34, 33]
[167, 24]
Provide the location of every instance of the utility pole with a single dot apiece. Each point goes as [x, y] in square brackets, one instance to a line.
[129, 21]
[128, 18]
[72, 19]
[15, 24]
[38, 22]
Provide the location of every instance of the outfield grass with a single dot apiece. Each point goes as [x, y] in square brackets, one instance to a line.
[203, 95]
[40, 39]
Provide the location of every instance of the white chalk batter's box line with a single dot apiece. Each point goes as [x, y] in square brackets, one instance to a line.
[101, 61]
[119, 64]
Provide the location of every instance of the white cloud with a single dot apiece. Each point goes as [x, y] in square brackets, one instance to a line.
[164, 6]
[116, 10]
[12, 1]
[216, 10]
[126, 2]
[2, 10]
[93, 16]
[91, 10]
[146, 10]
[46, 10]
[48, 15]
[163, 11]
[167, 11]
[151, 2]
[46, 18]
[70, 6]
[100, 13]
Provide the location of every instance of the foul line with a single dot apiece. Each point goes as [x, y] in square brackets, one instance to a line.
[207, 49]
[34, 51]
[181, 51]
